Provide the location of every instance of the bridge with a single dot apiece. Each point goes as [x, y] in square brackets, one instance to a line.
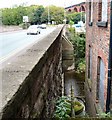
[81, 7]
[33, 80]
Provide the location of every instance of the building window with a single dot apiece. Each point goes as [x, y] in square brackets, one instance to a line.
[98, 77]
[100, 82]
[104, 10]
[90, 63]
[90, 12]
[100, 10]
[102, 13]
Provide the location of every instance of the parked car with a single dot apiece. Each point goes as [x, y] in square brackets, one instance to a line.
[80, 27]
[43, 26]
[33, 29]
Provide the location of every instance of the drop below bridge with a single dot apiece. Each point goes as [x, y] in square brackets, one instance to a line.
[35, 79]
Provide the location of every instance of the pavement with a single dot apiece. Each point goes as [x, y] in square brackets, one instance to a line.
[9, 28]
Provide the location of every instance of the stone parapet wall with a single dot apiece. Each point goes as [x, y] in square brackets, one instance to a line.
[33, 80]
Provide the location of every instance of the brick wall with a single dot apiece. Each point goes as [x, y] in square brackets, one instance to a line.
[33, 81]
[98, 39]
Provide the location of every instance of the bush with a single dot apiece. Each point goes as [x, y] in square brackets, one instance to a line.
[78, 41]
[81, 66]
[75, 17]
[63, 109]
[24, 25]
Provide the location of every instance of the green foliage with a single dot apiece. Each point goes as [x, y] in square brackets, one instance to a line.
[81, 65]
[44, 16]
[71, 22]
[24, 25]
[56, 14]
[105, 115]
[72, 31]
[75, 17]
[63, 109]
[78, 41]
[37, 14]
[13, 16]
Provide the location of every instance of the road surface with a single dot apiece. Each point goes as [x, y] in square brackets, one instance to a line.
[13, 42]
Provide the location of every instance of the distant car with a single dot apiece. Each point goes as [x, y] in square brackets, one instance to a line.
[79, 28]
[43, 26]
[76, 26]
[33, 29]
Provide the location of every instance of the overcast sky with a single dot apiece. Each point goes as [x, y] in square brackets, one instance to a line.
[63, 3]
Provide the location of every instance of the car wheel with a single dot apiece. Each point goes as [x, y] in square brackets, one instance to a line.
[39, 32]
[27, 33]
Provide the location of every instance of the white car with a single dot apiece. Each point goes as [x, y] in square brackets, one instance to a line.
[33, 29]
[43, 26]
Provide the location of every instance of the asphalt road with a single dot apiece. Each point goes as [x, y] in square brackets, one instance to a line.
[13, 42]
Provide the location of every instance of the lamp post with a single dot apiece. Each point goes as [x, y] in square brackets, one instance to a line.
[64, 14]
[48, 15]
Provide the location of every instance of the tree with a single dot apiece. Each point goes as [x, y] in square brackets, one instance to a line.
[19, 12]
[31, 10]
[75, 17]
[44, 17]
[13, 16]
[78, 41]
[36, 14]
[39, 13]
[55, 14]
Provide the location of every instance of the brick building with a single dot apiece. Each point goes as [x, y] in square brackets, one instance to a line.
[76, 8]
[98, 56]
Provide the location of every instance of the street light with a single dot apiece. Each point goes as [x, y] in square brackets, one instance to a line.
[81, 13]
[48, 15]
[64, 14]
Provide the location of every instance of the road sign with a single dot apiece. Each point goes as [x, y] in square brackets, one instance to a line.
[25, 18]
